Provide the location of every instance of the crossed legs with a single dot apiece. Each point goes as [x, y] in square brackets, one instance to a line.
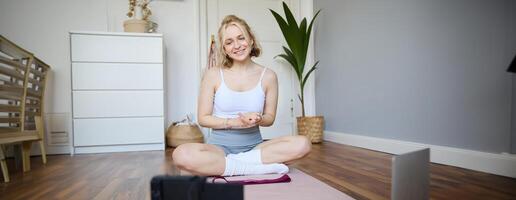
[199, 159]
[207, 159]
[284, 149]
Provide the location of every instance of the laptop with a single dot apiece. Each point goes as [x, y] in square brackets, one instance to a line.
[410, 175]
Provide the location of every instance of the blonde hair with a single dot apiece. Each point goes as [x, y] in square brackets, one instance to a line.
[224, 60]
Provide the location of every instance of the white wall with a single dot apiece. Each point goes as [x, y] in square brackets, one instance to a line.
[42, 27]
[512, 43]
[430, 72]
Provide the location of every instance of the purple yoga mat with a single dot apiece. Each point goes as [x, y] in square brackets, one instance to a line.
[282, 179]
[301, 187]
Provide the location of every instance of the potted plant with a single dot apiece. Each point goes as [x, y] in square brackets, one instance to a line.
[298, 38]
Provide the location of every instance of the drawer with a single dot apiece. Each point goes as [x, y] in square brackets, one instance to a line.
[106, 48]
[118, 131]
[92, 104]
[106, 76]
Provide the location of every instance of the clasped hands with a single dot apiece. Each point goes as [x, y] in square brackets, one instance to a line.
[250, 119]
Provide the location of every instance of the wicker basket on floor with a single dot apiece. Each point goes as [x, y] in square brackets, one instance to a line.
[181, 134]
[312, 127]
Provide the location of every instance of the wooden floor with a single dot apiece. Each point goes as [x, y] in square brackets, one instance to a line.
[362, 174]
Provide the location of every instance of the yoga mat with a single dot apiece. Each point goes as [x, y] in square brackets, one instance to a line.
[302, 187]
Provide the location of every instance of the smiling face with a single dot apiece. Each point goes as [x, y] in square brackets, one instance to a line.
[236, 44]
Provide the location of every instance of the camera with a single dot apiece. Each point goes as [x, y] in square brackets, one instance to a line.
[165, 187]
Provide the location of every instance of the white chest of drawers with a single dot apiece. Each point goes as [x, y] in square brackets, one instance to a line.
[117, 92]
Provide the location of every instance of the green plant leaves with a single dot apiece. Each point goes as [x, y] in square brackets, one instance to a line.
[309, 31]
[298, 39]
[308, 74]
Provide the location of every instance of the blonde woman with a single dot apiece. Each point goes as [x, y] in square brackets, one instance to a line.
[236, 98]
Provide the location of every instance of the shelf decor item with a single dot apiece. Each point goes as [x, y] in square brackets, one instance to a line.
[135, 26]
[139, 13]
[298, 38]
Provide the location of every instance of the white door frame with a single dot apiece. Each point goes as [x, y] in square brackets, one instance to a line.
[304, 9]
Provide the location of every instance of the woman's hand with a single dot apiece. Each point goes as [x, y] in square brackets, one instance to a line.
[247, 120]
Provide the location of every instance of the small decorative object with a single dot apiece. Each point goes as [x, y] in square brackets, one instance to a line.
[182, 132]
[132, 4]
[152, 27]
[298, 38]
[135, 25]
[139, 12]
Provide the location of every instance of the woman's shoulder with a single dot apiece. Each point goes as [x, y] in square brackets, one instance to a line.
[211, 75]
[212, 72]
[270, 74]
[268, 71]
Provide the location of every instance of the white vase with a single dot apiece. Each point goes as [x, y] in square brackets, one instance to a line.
[138, 12]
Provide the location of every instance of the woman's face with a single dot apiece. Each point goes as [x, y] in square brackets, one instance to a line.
[236, 45]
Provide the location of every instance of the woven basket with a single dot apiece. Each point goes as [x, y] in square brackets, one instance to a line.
[181, 134]
[135, 26]
[312, 127]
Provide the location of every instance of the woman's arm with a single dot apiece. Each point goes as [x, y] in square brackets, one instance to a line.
[271, 98]
[205, 101]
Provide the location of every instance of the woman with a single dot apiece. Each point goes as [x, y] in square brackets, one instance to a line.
[235, 99]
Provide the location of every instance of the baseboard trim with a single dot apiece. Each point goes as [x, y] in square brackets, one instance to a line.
[499, 164]
[119, 148]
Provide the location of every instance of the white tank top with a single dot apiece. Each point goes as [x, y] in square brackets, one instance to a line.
[227, 103]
